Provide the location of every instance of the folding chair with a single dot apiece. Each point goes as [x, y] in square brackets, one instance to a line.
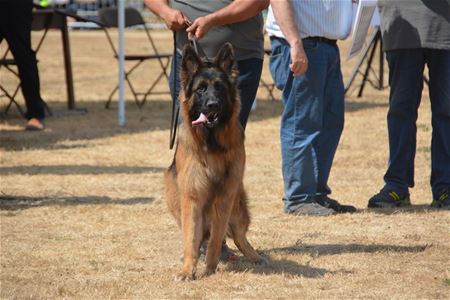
[41, 21]
[108, 17]
[8, 64]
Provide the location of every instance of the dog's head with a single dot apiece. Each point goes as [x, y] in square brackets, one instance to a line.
[210, 89]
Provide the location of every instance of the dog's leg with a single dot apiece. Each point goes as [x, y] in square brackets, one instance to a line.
[240, 239]
[219, 215]
[192, 227]
[239, 222]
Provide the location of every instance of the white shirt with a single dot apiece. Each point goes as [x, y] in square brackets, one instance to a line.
[331, 19]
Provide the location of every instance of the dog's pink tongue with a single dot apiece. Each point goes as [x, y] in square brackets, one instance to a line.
[201, 119]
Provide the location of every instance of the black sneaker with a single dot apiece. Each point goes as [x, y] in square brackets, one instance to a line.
[226, 254]
[443, 200]
[389, 199]
[336, 206]
[311, 209]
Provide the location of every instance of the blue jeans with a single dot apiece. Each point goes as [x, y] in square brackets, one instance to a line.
[406, 68]
[312, 120]
[248, 83]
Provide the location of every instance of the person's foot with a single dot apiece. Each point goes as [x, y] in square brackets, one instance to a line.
[226, 254]
[389, 199]
[443, 200]
[311, 209]
[34, 124]
[336, 206]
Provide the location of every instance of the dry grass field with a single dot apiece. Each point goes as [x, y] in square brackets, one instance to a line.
[83, 213]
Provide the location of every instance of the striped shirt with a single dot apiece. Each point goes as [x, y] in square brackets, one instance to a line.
[330, 19]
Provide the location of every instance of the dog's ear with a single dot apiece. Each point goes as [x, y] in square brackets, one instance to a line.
[226, 61]
[190, 63]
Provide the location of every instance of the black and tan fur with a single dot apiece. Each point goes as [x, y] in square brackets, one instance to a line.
[204, 184]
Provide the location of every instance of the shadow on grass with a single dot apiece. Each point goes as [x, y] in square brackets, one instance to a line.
[78, 169]
[283, 266]
[422, 208]
[334, 249]
[65, 131]
[24, 202]
[71, 131]
[291, 268]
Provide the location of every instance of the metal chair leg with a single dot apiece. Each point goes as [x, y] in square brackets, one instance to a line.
[110, 96]
[12, 101]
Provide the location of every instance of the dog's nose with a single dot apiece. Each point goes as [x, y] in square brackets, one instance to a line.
[212, 105]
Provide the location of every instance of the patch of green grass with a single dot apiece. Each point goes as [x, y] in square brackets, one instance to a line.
[9, 214]
[426, 149]
[423, 127]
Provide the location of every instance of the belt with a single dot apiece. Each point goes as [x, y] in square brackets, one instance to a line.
[311, 38]
[320, 39]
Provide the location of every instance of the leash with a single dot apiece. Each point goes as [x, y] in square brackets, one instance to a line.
[175, 107]
[199, 50]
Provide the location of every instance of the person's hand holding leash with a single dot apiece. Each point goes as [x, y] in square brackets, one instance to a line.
[200, 27]
[175, 20]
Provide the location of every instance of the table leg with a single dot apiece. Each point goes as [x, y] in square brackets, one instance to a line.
[68, 65]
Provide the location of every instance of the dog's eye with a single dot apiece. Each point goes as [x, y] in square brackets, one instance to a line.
[219, 86]
[202, 89]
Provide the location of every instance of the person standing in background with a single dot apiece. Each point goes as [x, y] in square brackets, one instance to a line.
[416, 33]
[305, 65]
[15, 27]
[213, 23]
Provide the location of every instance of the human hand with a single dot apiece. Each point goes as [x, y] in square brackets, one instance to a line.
[199, 27]
[176, 20]
[299, 64]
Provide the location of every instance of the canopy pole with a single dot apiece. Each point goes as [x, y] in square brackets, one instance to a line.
[121, 21]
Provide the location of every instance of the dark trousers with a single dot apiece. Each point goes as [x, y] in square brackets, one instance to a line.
[406, 68]
[15, 27]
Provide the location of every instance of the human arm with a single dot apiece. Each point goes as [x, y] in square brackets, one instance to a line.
[283, 13]
[237, 11]
[174, 19]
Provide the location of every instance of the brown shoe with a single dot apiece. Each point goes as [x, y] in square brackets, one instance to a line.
[34, 124]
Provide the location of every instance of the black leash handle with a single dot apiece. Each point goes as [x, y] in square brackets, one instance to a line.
[175, 108]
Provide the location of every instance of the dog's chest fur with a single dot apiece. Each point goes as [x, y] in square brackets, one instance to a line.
[208, 169]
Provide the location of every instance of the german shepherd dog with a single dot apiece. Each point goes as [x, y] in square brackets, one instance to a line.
[204, 184]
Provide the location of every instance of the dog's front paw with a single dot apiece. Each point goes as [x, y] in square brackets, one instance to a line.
[208, 272]
[184, 276]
